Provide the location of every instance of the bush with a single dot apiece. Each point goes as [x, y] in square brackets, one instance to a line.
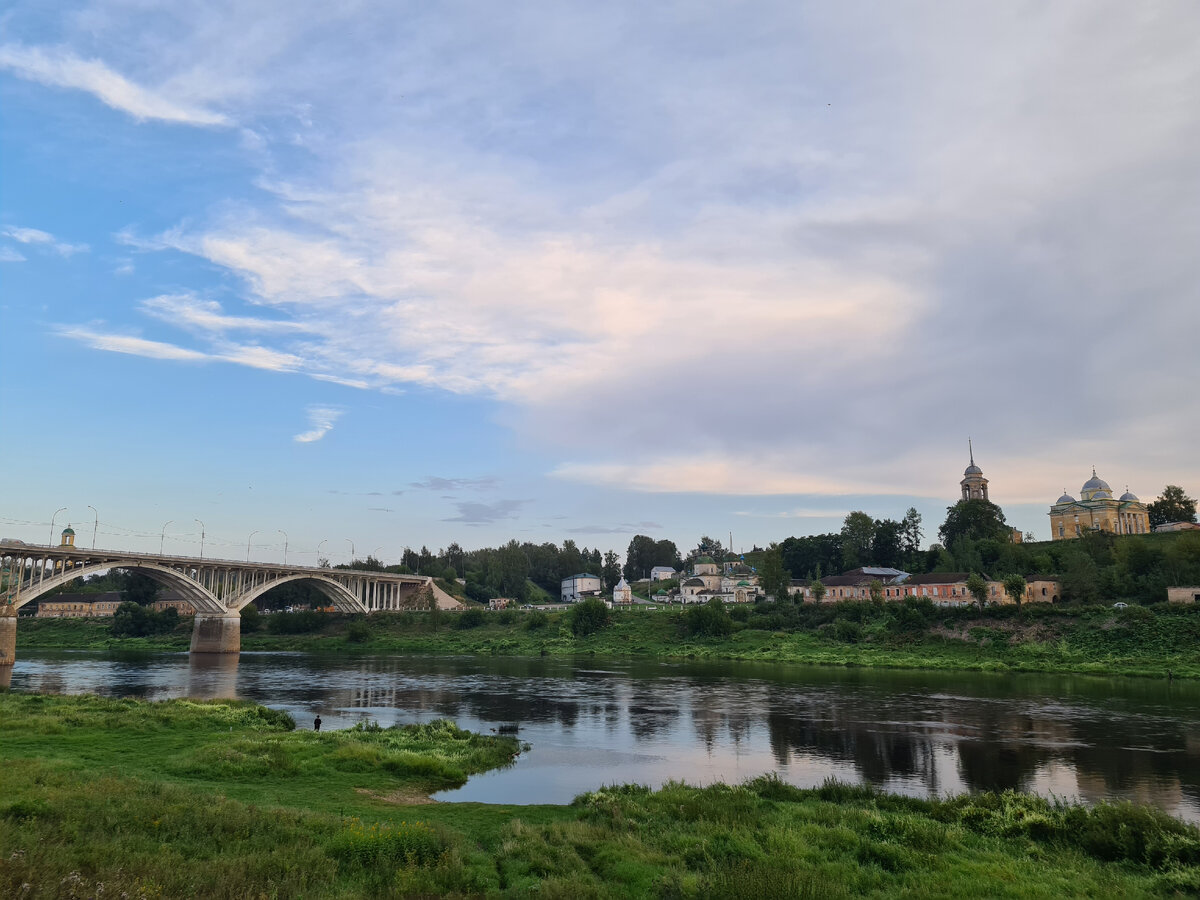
[132, 620]
[359, 632]
[536, 619]
[710, 620]
[302, 622]
[589, 617]
[469, 618]
[251, 618]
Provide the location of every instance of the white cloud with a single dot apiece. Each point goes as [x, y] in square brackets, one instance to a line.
[134, 346]
[8, 254]
[36, 236]
[322, 419]
[187, 310]
[59, 67]
[800, 252]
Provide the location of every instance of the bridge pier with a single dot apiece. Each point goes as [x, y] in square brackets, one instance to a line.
[8, 638]
[217, 633]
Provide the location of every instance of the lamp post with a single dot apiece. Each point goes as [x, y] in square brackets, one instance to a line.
[95, 525]
[52, 518]
[375, 551]
[347, 540]
[284, 533]
[319, 546]
[248, 540]
[201, 524]
[163, 536]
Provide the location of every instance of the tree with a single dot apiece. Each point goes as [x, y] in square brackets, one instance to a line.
[1173, 506]
[611, 570]
[588, 617]
[512, 568]
[711, 619]
[858, 534]
[139, 589]
[887, 544]
[818, 590]
[974, 519]
[978, 587]
[1014, 586]
[773, 578]
[911, 533]
[876, 590]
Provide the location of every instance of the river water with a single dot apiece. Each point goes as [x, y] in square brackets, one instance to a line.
[595, 722]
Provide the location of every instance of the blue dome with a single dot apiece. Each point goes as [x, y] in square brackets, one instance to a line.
[1127, 496]
[973, 470]
[1095, 483]
[1066, 498]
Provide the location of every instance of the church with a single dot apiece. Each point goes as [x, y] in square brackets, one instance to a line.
[1097, 510]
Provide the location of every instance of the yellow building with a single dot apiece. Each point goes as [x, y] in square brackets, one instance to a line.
[1097, 510]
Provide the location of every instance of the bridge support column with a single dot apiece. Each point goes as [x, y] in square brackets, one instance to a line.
[8, 639]
[216, 633]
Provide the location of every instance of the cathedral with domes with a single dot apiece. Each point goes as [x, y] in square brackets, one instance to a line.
[1097, 510]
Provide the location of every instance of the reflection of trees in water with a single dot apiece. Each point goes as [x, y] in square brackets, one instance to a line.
[876, 752]
[992, 742]
[651, 712]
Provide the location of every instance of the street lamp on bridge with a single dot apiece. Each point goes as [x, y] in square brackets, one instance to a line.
[163, 536]
[201, 524]
[248, 540]
[319, 546]
[284, 533]
[95, 525]
[52, 518]
[347, 540]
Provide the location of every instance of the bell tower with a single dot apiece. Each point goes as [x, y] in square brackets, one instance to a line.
[974, 485]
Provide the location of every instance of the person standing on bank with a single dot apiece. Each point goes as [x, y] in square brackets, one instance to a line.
[317, 723]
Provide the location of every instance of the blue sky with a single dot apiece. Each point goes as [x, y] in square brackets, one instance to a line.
[388, 274]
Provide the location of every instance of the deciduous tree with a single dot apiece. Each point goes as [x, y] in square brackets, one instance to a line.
[1173, 506]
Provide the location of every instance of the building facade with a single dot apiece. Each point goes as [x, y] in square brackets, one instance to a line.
[1097, 510]
[580, 587]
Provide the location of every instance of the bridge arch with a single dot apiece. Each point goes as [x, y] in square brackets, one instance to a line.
[203, 600]
[344, 599]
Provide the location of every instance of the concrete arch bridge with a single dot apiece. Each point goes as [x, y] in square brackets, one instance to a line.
[218, 589]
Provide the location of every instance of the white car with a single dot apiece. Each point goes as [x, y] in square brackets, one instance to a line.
[1120, 605]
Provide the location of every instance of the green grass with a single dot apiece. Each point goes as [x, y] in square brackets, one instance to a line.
[180, 799]
[1142, 641]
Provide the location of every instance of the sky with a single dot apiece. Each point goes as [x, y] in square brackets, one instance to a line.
[398, 274]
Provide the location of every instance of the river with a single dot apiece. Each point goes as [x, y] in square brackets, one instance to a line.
[592, 722]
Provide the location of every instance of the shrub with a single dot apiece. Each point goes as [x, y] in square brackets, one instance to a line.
[536, 619]
[359, 632]
[301, 622]
[711, 619]
[251, 618]
[469, 618]
[589, 617]
[386, 846]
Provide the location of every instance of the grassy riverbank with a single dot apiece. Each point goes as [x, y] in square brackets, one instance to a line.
[182, 799]
[1143, 641]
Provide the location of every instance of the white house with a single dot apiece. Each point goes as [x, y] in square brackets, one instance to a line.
[661, 573]
[578, 587]
[622, 593]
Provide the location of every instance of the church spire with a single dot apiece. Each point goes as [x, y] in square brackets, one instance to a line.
[971, 450]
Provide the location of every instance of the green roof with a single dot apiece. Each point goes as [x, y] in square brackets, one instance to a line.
[743, 583]
[705, 559]
[68, 530]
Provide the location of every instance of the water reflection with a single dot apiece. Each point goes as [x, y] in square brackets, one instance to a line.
[592, 724]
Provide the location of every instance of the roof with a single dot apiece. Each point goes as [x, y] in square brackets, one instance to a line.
[581, 575]
[622, 585]
[938, 578]
[700, 560]
[662, 569]
[68, 530]
[692, 582]
[743, 583]
[847, 580]
[876, 571]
